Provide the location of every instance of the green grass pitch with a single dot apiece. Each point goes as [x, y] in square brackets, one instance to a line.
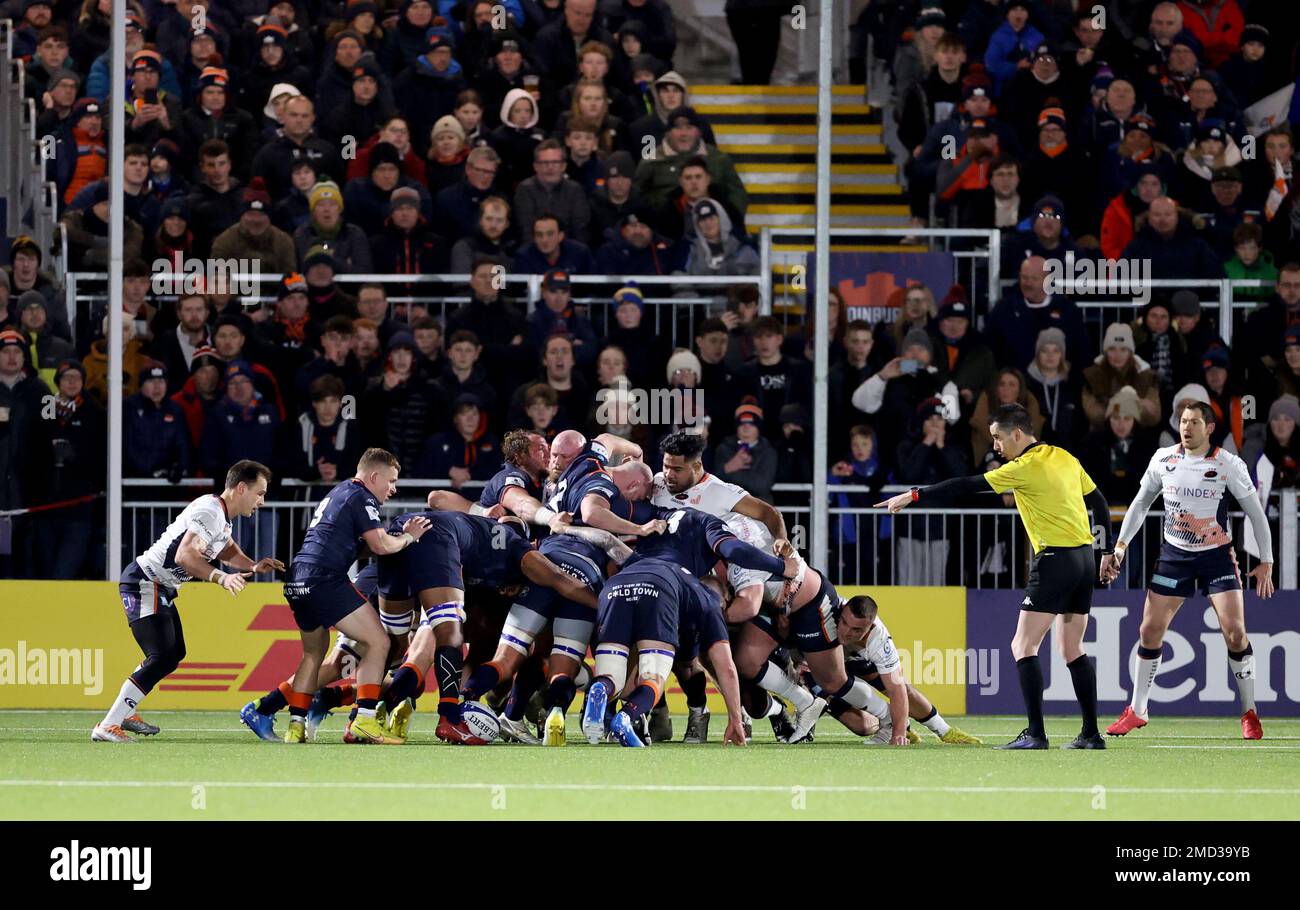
[205, 765]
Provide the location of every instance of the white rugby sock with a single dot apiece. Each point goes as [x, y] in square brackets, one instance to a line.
[775, 681]
[935, 723]
[127, 703]
[1143, 676]
[861, 695]
[1244, 672]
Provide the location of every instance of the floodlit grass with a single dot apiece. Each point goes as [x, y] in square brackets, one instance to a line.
[206, 765]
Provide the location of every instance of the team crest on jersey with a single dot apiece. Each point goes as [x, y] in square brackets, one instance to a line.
[1210, 474]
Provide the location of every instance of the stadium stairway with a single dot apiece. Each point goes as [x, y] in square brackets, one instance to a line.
[770, 132]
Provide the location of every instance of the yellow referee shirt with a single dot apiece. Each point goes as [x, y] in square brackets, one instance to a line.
[1049, 485]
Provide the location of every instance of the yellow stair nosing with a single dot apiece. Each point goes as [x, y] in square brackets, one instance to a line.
[809, 189]
[796, 129]
[770, 167]
[786, 208]
[777, 108]
[785, 149]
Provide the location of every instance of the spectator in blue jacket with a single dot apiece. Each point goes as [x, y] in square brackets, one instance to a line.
[554, 315]
[156, 437]
[242, 425]
[1011, 45]
[552, 250]
[468, 452]
[1013, 325]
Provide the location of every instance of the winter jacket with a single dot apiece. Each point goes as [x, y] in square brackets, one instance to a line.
[761, 473]
[1101, 381]
[367, 205]
[1012, 328]
[232, 432]
[572, 256]
[274, 161]
[423, 95]
[155, 438]
[1184, 255]
[273, 249]
[566, 200]
[235, 127]
[1006, 49]
[305, 442]
[349, 245]
[657, 177]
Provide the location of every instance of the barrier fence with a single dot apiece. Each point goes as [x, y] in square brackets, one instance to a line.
[978, 548]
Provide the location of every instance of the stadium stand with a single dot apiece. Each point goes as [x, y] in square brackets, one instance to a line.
[385, 157]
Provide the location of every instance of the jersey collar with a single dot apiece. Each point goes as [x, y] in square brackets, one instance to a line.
[224, 509]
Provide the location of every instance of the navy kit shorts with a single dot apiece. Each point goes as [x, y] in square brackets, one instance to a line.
[635, 609]
[320, 598]
[1181, 573]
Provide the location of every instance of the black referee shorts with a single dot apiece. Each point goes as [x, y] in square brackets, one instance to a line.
[1061, 580]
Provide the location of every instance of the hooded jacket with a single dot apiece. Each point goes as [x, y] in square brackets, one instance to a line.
[1101, 381]
[728, 256]
[515, 144]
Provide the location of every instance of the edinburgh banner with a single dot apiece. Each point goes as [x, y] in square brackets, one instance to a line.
[1194, 676]
[872, 284]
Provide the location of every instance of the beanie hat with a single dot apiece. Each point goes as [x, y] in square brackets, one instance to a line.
[1119, 335]
[214, 75]
[448, 124]
[1124, 403]
[325, 189]
[384, 153]
[630, 293]
[1286, 406]
[256, 198]
[292, 283]
[403, 195]
[683, 359]
[920, 338]
[1050, 336]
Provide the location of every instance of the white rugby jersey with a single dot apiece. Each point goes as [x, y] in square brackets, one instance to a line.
[716, 497]
[878, 648]
[1194, 488]
[207, 518]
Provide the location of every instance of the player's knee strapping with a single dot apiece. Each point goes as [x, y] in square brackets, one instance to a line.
[522, 628]
[451, 611]
[397, 623]
[611, 662]
[655, 663]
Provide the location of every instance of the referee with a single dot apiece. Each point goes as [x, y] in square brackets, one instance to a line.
[1051, 489]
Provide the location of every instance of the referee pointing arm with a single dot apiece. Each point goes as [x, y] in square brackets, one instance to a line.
[1053, 495]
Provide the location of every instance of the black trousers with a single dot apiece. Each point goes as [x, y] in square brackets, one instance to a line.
[757, 33]
[162, 640]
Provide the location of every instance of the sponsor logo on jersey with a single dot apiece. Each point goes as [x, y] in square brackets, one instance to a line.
[1210, 474]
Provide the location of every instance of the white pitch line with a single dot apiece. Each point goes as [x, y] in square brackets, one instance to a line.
[1244, 748]
[637, 788]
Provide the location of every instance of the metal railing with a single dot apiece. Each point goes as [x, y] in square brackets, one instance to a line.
[687, 300]
[977, 254]
[30, 200]
[972, 547]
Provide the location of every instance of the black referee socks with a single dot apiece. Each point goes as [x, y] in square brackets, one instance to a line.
[1085, 690]
[1031, 684]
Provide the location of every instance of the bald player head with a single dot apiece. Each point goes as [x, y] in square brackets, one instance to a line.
[564, 448]
[633, 479]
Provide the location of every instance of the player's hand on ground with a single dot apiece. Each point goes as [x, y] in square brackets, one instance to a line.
[657, 526]
[234, 582]
[560, 521]
[899, 739]
[1263, 575]
[735, 733]
[417, 526]
[267, 564]
[896, 504]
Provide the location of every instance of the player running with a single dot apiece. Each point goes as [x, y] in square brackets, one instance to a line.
[1053, 494]
[461, 550]
[321, 595]
[1195, 479]
[191, 548]
[658, 603]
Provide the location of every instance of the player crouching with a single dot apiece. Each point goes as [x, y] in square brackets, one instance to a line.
[190, 548]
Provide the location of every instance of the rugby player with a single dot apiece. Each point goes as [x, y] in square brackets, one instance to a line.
[191, 548]
[582, 553]
[869, 654]
[1053, 495]
[461, 550]
[659, 604]
[321, 595]
[683, 483]
[1195, 479]
[516, 488]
